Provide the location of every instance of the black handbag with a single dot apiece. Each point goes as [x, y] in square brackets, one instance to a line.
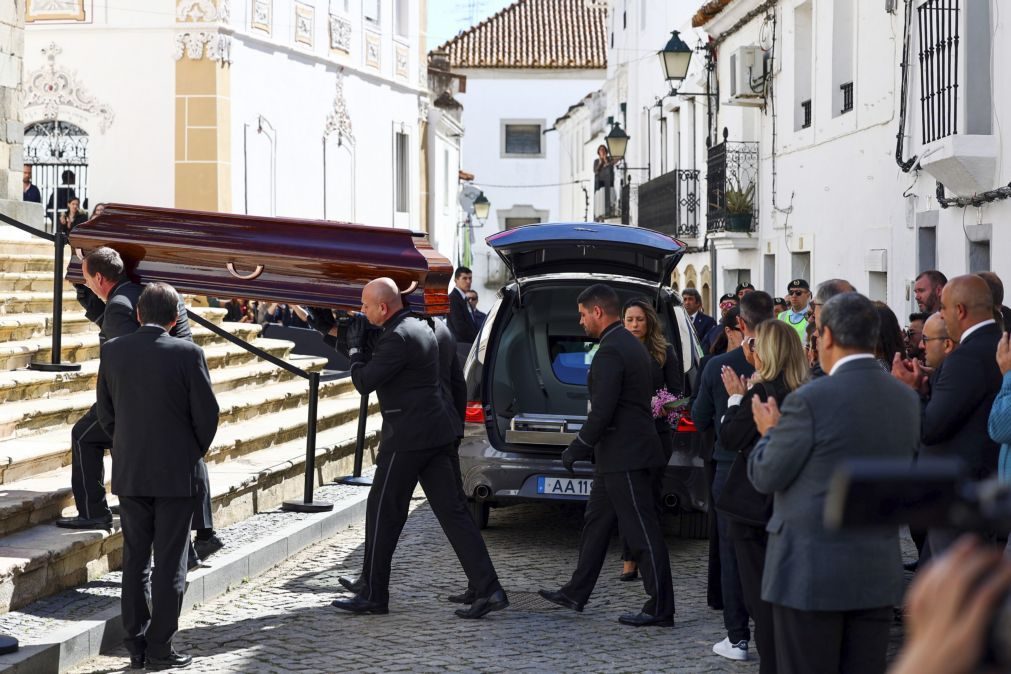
[739, 500]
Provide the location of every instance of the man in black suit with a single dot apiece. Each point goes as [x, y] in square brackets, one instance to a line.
[956, 401]
[620, 437]
[479, 316]
[109, 299]
[707, 411]
[161, 425]
[461, 318]
[702, 322]
[418, 443]
[454, 395]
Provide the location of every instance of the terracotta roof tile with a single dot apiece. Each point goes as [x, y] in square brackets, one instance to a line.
[534, 34]
[707, 11]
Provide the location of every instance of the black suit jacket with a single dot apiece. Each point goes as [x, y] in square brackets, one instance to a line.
[118, 316]
[162, 422]
[454, 388]
[703, 323]
[954, 421]
[620, 424]
[404, 373]
[461, 321]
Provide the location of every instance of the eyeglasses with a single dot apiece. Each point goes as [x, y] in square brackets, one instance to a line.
[472, 300]
[931, 339]
[727, 305]
[797, 293]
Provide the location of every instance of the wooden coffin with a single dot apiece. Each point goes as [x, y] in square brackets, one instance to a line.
[307, 262]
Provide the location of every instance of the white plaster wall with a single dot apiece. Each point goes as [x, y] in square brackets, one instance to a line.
[493, 96]
[124, 59]
[443, 169]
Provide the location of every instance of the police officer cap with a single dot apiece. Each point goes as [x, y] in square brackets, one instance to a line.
[798, 283]
[742, 286]
[729, 296]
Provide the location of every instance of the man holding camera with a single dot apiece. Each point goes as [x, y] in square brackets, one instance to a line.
[832, 591]
[418, 440]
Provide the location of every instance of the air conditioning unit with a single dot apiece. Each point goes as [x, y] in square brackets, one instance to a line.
[747, 76]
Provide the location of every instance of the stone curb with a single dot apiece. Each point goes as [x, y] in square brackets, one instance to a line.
[88, 638]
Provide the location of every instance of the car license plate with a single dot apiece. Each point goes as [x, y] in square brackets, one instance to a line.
[563, 486]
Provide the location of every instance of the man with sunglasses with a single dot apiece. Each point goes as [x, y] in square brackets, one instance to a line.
[799, 295]
[727, 302]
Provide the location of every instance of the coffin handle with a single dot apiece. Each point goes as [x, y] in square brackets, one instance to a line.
[410, 289]
[79, 253]
[245, 277]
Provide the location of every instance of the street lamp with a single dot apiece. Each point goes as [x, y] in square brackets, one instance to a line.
[482, 207]
[617, 141]
[675, 57]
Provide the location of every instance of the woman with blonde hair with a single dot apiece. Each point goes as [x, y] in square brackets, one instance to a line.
[641, 320]
[780, 368]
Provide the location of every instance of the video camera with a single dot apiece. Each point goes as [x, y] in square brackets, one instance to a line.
[934, 492]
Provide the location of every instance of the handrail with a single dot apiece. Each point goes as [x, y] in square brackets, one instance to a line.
[59, 239]
[34, 231]
[306, 504]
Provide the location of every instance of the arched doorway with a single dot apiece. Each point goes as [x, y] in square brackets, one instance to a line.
[57, 153]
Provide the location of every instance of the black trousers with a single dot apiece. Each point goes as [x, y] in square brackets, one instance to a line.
[87, 473]
[397, 474]
[749, 548]
[816, 642]
[87, 470]
[372, 504]
[161, 524]
[626, 500]
[667, 443]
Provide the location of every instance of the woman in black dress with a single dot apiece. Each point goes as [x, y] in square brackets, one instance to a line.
[780, 367]
[641, 320]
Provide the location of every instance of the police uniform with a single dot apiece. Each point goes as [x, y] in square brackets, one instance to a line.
[418, 440]
[797, 321]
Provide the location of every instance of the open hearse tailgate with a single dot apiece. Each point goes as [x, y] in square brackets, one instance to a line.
[308, 262]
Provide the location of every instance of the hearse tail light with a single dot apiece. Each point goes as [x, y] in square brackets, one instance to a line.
[686, 425]
[475, 413]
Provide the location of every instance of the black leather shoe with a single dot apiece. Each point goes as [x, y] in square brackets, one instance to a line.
[629, 575]
[355, 586]
[171, 661]
[560, 599]
[206, 547]
[359, 605]
[137, 661]
[84, 523]
[482, 606]
[467, 597]
[645, 620]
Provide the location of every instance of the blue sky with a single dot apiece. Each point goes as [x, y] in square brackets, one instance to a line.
[446, 18]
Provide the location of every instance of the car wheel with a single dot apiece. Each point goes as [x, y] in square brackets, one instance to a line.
[479, 510]
[692, 524]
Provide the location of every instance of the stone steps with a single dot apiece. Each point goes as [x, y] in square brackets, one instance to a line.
[26, 281]
[78, 348]
[20, 327]
[18, 302]
[26, 262]
[43, 496]
[31, 246]
[44, 559]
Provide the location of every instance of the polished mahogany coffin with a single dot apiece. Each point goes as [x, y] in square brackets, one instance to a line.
[308, 262]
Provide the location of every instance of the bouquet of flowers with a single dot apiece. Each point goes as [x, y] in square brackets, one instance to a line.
[666, 405]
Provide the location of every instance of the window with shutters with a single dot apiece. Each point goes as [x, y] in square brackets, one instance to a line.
[522, 138]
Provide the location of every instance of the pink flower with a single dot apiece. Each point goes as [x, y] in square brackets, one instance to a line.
[665, 404]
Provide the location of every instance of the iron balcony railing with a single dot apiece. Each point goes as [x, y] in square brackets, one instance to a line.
[939, 39]
[732, 187]
[670, 203]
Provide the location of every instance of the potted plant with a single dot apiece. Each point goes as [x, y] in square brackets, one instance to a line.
[740, 205]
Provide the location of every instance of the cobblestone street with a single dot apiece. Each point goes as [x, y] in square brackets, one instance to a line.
[283, 621]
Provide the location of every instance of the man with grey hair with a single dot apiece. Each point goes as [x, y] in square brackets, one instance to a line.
[832, 591]
[826, 291]
[161, 425]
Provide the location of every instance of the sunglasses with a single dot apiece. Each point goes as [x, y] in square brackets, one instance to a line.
[797, 293]
[727, 305]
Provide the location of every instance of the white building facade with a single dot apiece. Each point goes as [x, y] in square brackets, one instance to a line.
[524, 67]
[301, 108]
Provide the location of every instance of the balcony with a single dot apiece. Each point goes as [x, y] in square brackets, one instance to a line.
[605, 205]
[732, 191]
[670, 204]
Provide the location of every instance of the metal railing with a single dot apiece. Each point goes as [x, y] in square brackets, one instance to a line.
[670, 203]
[939, 40]
[731, 182]
[847, 97]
